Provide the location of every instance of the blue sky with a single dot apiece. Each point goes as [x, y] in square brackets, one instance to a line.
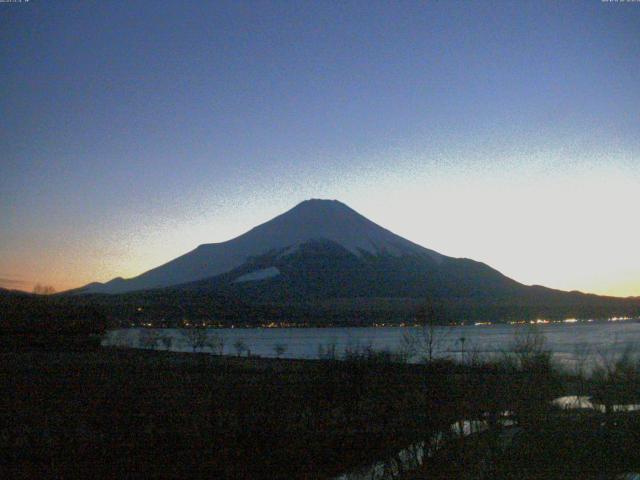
[502, 131]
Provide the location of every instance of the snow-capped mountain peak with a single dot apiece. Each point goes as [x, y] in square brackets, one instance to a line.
[311, 220]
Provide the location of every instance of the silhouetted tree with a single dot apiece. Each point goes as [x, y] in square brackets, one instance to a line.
[149, 338]
[40, 289]
[535, 380]
[166, 340]
[216, 344]
[427, 338]
[327, 352]
[279, 349]
[239, 346]
[195, 337]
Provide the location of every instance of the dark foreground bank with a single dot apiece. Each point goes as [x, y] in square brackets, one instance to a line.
[117, 413]
[107, 413]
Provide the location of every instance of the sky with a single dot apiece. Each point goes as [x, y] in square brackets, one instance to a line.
[506, 132]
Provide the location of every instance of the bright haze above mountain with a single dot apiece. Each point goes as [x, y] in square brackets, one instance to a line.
[505, 132]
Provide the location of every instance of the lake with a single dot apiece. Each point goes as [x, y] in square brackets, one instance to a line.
[588, 342]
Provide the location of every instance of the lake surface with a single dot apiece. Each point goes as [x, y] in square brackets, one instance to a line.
[571, 343]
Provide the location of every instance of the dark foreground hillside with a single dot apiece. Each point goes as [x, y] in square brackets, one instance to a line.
[111, 414]
[103, 413]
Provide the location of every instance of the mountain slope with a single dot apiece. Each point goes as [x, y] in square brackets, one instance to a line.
[311, 220]
[323, 269]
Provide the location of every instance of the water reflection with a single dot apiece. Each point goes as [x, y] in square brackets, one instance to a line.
[575, 402]
[576, 346]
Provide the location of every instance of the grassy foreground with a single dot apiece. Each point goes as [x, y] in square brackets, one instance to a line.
[109, 413]
[116, 413]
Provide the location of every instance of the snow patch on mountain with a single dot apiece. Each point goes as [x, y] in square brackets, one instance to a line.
[262, 274]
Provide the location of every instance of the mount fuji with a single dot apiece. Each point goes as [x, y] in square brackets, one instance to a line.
[313, 227]
[321, 257]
